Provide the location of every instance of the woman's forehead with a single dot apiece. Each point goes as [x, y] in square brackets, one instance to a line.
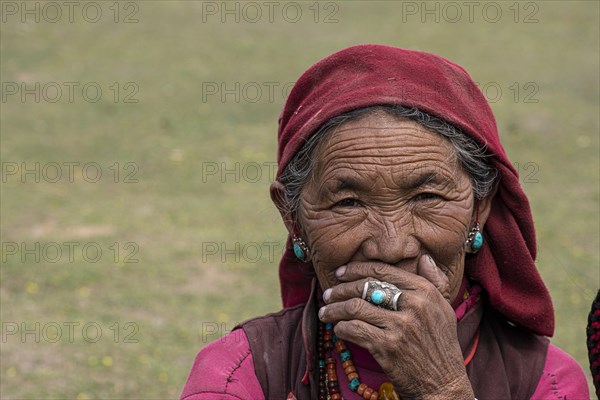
[393, 144]
[382, 131]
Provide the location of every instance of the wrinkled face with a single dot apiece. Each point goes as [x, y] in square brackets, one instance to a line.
[386, 189]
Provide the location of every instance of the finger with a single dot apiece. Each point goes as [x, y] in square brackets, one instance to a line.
[345, 291]
[355, 309]
[359, 333]
[429, 270]
[380, 271]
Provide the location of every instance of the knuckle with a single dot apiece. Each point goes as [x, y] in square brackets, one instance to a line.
[354, 306]
[362, 332]
[351, 269]
[380, 269]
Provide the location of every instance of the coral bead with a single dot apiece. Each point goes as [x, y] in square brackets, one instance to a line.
[361, 389]
[340, 346]
[352, 375]
[349, 369]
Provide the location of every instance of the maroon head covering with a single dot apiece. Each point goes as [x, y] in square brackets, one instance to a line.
[370, 75]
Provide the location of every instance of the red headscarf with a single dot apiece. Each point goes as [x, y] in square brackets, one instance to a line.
[369, 75]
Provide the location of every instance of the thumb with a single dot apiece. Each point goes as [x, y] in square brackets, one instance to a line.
[429, 270]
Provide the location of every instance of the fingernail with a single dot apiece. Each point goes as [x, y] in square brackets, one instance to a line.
[430, 260]
[321, 313]
[340, 271]
[327, 295]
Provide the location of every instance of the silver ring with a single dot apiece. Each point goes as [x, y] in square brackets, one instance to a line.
[381, 294]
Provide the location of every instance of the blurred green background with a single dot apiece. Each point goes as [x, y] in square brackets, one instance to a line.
[184, 134]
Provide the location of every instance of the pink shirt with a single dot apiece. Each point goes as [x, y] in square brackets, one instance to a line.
[224, 370]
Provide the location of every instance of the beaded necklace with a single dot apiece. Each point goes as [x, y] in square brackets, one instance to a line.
[329, 388]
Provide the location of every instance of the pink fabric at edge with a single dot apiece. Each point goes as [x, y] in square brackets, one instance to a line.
[225, 370]
[562, 379]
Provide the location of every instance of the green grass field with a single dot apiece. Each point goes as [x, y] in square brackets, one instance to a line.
[205, 235]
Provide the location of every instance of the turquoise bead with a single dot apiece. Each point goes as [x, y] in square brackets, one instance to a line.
[378, 296]
[329, 326]
[345, 355]
[322, 363]
[298, 251]
[477, 241]
[354, 384]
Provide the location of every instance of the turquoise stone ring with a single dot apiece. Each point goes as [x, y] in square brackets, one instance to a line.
[381, 294]
[377, 297]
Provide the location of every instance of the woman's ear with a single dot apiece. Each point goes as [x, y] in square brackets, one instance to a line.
[485, 205]
[277, 191]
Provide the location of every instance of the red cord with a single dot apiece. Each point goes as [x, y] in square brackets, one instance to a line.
[473, 350]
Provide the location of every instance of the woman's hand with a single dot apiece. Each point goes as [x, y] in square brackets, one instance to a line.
[417, 346]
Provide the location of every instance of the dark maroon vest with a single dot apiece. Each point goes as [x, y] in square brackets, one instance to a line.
[507, 364]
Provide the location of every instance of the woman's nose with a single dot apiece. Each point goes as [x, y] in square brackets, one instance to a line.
[391, 242]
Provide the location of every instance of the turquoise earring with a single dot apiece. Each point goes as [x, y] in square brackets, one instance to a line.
[301, 250]
[475, 239]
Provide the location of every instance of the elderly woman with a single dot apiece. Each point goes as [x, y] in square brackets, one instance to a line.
[409, 271]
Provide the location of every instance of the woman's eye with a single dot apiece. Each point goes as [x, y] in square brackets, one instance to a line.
[347, 203]
[428, 196]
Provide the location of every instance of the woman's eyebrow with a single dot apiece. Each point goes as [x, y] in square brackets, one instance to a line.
[414, 181]
[348, 184]
[429, 178]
